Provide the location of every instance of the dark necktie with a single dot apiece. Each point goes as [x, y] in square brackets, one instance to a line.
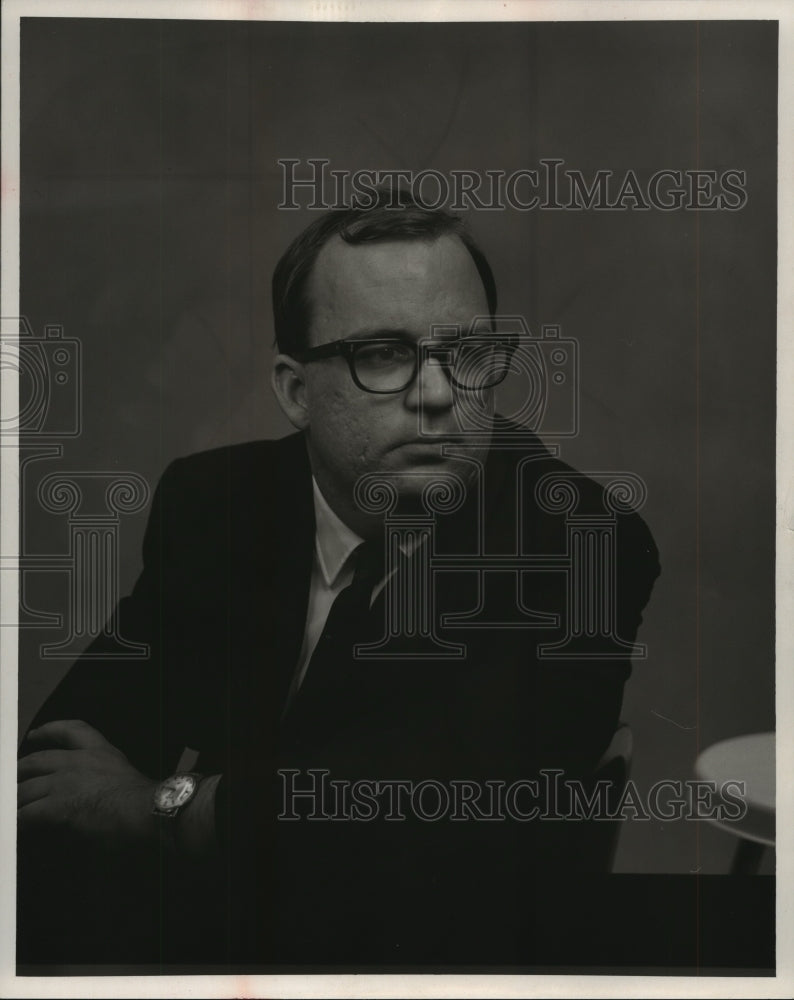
[331, 675]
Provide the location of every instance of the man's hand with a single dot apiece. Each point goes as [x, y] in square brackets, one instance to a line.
[79, 783]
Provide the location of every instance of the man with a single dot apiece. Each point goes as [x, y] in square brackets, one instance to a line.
[265, 564]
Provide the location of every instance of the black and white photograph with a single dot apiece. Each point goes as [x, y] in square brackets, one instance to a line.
[391, 409]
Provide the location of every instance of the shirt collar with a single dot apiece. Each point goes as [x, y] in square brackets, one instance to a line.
[334, 541]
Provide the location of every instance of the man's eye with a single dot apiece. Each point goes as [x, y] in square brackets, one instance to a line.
[384, 354]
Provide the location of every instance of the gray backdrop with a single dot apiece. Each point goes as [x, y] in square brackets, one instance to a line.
[150, 229]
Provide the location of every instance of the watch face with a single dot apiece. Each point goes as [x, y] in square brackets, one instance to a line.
[175, 791]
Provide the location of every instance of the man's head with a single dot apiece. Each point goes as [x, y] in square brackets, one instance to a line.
[395, 216]
[385, 274]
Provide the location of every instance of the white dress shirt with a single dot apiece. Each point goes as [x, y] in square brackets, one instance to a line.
[332, 571]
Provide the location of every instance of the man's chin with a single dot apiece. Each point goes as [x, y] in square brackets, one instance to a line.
[427, 473]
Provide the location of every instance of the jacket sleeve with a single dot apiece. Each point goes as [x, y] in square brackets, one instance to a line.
[579, 699]
[103, 902]
[122, 697]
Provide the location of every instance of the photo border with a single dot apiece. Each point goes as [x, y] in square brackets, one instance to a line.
[403, 984]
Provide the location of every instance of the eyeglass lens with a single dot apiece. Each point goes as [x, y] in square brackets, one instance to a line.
[389, 366]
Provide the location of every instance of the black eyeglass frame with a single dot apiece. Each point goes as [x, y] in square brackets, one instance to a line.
[348, 349]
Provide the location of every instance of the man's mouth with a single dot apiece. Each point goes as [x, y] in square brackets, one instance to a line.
[433, 443]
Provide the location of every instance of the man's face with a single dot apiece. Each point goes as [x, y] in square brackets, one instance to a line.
[397, 289]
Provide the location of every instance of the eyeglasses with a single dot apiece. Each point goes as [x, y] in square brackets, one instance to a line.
[383, 366]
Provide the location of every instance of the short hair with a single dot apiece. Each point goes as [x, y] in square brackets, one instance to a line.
[394, 216]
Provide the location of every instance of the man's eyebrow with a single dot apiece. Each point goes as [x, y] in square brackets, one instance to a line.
[399, 333]
[381, 333]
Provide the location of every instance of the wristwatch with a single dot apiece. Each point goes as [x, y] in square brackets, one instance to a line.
[174, 793]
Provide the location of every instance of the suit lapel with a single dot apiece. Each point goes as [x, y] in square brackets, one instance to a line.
[276, 603]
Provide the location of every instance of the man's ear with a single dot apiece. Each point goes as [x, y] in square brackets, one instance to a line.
[289, 385]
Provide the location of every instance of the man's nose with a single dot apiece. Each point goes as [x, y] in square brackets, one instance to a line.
[432, 388]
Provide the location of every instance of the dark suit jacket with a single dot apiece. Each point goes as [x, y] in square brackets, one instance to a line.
[222, 603]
